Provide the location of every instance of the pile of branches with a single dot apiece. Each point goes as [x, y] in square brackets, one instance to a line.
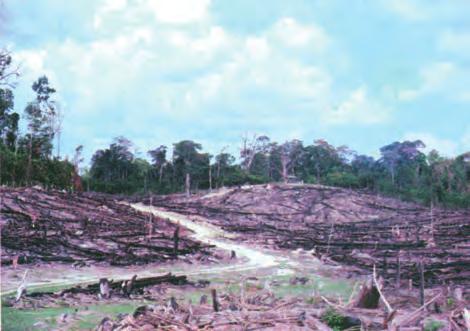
[345, 226]
[39, 225]
[367, 310]
[227, 312]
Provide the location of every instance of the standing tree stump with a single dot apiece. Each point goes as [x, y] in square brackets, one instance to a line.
[215, 301]
[176, 239]
[104, 288]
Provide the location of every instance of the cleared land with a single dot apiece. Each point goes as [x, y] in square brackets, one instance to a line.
[346, 226]
[289, 245]
[58, 227]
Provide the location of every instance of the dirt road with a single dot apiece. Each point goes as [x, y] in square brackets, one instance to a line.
[252, 257]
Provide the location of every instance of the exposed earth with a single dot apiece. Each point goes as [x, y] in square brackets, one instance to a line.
[300, 251]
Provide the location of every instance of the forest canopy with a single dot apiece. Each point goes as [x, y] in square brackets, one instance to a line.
[402, 170]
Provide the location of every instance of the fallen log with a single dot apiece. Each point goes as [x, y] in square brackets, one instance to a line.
[137, 284]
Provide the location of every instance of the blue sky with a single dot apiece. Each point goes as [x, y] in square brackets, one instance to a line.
[363, 73]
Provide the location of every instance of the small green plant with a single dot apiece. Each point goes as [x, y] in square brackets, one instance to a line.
[450, 302]
[433, 325]
[334, 320]
[313, 300]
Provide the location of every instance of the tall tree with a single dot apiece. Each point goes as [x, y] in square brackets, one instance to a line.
[319, 159]
[223, 162]
[290, 152]
[113, 163]
[186, 155]
[401, 154]
[158, 156]
[40, 115]
[363, 167]
[8, 118]
[251, 147]
[8, 72]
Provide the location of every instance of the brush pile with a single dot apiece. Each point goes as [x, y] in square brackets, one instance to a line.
[345, 226]
[55, 226]
[261, 310]
[257, 312]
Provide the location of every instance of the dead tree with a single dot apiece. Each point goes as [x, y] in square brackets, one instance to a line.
[173, 304]
[421, 282]
[203, 299]
[368, 296]
[176, 239]
[215, 301]
[187, 184]
[22, 288]
[398, 276]
[104, 288]
[128, 285]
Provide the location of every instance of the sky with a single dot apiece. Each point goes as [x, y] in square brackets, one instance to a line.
[363, 73]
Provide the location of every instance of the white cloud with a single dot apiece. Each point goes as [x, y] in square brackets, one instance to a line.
[179, 11]
[408, 9]
[141, 77]
[444, 146]
[455, 42]
[257, 48]
[293, 34]
[107, 7]
[446, 79]
[32, 61]
[420, 11]
[358, 108]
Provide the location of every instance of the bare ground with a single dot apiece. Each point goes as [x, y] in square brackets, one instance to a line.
[279, 234]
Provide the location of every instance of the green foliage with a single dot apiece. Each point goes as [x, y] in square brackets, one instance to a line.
[450, 302]
[342, 179]
[433, 325]
[334, 320]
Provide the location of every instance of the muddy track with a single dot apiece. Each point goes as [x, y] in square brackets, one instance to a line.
[252, 258]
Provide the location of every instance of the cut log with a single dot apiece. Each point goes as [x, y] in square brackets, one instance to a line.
[367, 297]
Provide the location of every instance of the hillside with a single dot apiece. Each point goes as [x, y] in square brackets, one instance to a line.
[347, 226]
[53, 226]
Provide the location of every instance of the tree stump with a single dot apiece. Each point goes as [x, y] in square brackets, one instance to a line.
[104, 288]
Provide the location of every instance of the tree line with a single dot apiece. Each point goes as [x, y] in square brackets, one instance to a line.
[27, 159]
[402, 170]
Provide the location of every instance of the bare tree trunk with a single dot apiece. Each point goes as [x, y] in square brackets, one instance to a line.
[145, 182]
[215, 301]
[160, 175]
[284, 162]
[104, 288]
[218, 174]
[58, 142]
[421, 282]
[30, 152]
[210, 178]
[187, 185]
[176, 238]
[398, 280]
